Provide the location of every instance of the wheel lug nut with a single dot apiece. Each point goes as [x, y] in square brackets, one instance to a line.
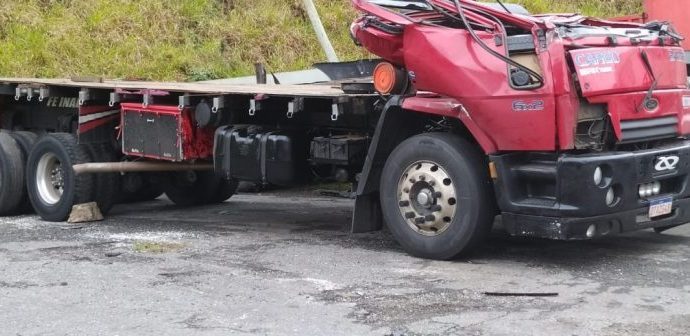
[422, 178]
[432, 183]
[438, 194]
[404, 203]
[412, 180]
[436, 208]
[419, 220]
[406, 190]
[430, 218]
[410, 215]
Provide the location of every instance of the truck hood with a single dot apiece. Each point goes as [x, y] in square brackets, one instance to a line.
[610, 70]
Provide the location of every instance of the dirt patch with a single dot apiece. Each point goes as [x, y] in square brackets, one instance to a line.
[157, 247]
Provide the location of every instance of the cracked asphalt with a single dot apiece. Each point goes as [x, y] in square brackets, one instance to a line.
[284, 265]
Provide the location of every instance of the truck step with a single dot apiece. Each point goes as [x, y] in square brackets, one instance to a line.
[539, 201]
[536, 170]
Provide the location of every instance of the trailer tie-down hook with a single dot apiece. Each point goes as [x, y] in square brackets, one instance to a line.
[295, 106]
[255, 104]
[338, 108]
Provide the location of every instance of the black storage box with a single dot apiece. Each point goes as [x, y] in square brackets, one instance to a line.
[248, 153]
[343, 150]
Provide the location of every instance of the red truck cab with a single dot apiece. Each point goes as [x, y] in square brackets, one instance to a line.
[583, 121]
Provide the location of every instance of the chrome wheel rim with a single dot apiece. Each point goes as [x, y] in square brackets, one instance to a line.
[427, 198]
[50, 179]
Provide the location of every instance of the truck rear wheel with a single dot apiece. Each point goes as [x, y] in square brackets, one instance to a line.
[11, 175]
[52, 185]
[225, 190]
[26, 142]
[198, 188]
[436, 196]
[139, 187]
[106, 189]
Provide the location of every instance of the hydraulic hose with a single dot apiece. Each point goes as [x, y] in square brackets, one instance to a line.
[483, 45]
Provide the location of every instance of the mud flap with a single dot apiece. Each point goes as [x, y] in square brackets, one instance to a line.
[393, 127]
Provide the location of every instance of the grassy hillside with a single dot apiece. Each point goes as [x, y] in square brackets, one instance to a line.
[188, 39]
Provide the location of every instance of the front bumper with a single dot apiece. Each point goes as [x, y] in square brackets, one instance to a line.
[554, 196]
[567, 228]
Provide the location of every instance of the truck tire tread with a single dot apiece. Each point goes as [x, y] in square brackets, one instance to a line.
[77, 188]
[11, 175]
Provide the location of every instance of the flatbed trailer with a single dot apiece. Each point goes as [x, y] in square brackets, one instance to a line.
[115, 86]
[568, 127]
[88, 115]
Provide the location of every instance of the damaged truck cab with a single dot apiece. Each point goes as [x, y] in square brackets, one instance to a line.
[580, 124]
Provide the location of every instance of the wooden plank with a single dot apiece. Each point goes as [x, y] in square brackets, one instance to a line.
[312, 90]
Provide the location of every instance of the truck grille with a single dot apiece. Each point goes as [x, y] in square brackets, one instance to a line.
[649, 129]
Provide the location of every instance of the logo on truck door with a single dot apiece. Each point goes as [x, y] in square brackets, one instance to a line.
[596, 62]
[664, 163]
[585, 60]
[521, 105]
[676, 55]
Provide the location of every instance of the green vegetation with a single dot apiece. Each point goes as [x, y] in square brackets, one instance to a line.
[188, 39]
[156, 247]
[598, 8]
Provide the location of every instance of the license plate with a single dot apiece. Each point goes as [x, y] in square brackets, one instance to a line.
[660, 206]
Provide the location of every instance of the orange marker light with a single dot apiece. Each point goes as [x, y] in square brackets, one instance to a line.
[493, 171]
[385, 78]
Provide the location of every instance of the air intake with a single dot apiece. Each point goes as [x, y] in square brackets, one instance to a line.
[649, 129]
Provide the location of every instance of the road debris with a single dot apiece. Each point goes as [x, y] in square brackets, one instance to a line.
[520, 294]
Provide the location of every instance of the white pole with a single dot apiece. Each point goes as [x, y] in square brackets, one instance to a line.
[320, 31]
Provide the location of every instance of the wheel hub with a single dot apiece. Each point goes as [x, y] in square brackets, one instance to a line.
[57, 178]
[424, 198]
[427, 198]
[50, 179]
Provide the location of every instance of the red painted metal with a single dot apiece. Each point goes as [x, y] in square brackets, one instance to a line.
[629, 73]
[197, 143]
[472, 85]
[94, 116]
[675, 11]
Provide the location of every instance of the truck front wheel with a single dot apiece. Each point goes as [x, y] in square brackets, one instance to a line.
[436, 196]
[52, 185]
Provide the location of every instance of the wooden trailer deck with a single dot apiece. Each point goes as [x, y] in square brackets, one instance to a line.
[311, 90]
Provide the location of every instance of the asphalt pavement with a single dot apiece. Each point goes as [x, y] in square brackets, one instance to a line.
[284, 265]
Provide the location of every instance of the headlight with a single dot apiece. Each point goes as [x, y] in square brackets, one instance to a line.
[598, 176]
[610, 197]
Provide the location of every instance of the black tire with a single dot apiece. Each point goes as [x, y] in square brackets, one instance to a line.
[26, 142]
[140, 188]
[11, 176]
[198, 188]
[468, 186]
[106, 191]
[225, 190]
[60, 152]
[149, 192]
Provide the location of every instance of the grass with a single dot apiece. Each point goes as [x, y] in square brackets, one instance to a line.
[188, 39]
[600, 8]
